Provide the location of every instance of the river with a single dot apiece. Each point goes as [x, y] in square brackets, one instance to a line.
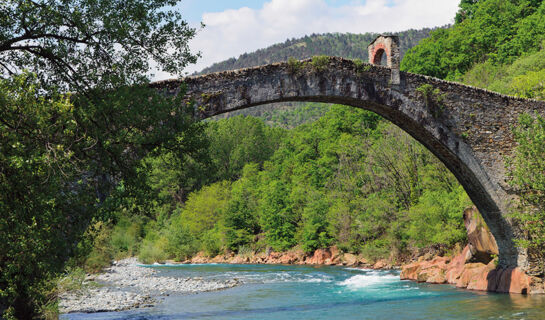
[307, 292]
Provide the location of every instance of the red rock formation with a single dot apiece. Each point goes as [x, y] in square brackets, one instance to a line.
[350, 260]
[482, 244]
[456, 265]
[433, 271]
[320, 256]
[474, 268]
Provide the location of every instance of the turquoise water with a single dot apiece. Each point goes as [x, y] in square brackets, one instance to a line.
[306, 292]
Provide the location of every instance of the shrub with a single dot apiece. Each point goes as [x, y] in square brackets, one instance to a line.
[125, 238]
[152, 251]
[320, 63]
[376, 249]
[433, 98]
[294, 65]
[73, 280]
[211, 242]
[526, 171]
[180, 243]
[101, 253]
[245, 251]
[361, 66]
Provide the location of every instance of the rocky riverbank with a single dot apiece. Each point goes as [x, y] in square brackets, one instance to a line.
[327, 257]
[475, 267]
[125, 285]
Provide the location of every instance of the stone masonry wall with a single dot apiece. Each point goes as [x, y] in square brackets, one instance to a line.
[468, 129]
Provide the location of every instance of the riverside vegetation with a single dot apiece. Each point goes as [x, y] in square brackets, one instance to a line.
[90, 177]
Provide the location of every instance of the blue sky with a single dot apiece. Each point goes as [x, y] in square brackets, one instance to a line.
[193, 10]
[234, 27]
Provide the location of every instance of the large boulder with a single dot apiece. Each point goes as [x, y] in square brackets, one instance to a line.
[456, 266]
[433, 271]
[349, 259]
[319, 257]
[481, 242]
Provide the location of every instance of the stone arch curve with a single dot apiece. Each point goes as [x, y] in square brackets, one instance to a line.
[468, 129]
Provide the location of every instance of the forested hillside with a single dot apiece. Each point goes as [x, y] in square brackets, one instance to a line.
[346, 45]
[349, 179]
[500, 45]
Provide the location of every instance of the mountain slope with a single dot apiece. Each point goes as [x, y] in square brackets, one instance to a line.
[346, 45]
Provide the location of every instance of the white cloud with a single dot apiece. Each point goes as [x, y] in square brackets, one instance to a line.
[232, 32]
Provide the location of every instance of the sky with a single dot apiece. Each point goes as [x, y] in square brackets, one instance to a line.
[233, 27]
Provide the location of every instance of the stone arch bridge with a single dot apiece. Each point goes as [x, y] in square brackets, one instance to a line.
[468, 129]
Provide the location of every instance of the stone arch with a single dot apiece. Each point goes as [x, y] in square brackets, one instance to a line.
[471, 133]
[378, 53]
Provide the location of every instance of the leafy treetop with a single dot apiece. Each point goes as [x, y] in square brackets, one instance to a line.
[85, 43]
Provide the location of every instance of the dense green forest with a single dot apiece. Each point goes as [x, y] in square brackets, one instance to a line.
[87, 175]
[346, 45]
[349, 179]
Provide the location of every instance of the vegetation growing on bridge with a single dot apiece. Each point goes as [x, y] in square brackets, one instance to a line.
[433, 98]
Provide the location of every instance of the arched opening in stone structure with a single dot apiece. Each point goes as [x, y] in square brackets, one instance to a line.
[394, 155]
[381, 57]
[340, 84]
[402, 133]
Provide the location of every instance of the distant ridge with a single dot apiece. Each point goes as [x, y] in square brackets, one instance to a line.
[346, 45]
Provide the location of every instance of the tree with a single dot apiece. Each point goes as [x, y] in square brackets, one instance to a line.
[87, 44]
[63, 155]
[238, 141]
[204, 208]
[314, 234]
[467, 9]
[240, 217]
[43, 203]
[277, 217]
[526, 170]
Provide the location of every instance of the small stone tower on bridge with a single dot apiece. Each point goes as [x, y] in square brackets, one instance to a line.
[389, 45]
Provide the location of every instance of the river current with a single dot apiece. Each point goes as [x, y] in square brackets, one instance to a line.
[307, 292]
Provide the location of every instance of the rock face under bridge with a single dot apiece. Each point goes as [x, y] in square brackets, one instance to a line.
[468, 129]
